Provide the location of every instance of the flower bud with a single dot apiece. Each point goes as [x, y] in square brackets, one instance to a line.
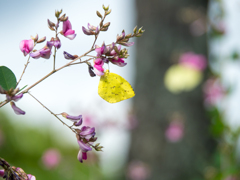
[140, 30]
[104, 29]
[34, 38]
[51, 25]
[106, 25]
[57, 13]
[63, 18]
[108, 12]
[41, 39]
[116, 49]
[105, 8]
[139, 35]
[129, 35]
[99, 14]
[90, 70]
[99, 148]
[135, 30]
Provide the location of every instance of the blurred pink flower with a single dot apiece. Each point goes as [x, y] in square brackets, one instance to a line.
[213, 91]
[138, 170]
[175, 131]
[51, 158]
[196, 61]
[231, 178]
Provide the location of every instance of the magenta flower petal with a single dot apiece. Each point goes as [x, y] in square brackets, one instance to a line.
[84, 147]
[26, 46]
[66, 26]
[67, 30]
[84, 155]
[71, 36]
[98, 73]
[1, 173]
[17, 110]
[120, 62]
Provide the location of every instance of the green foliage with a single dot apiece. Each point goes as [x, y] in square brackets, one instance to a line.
[7, 78]
[24, 146]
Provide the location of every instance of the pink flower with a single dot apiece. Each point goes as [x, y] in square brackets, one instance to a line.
[26, 46]
[45, 52]
[51, 158]
[138, 170]
[196, 61]
[98, 66]
[174, 131]
[67, 30]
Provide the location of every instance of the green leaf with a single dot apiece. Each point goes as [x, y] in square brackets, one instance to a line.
[7, 78]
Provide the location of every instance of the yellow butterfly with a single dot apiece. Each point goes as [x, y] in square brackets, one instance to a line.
[114, 88]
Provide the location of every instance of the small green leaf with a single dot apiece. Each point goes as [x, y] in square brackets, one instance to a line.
[7, 78]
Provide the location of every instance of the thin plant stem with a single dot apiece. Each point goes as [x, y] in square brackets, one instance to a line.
[52, 113]
[54, 58]
[24, 70]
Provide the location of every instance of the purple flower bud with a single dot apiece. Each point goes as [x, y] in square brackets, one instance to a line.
[91, 27]
[68, 56]
[87, 31]
[17, 110]
[90, 70]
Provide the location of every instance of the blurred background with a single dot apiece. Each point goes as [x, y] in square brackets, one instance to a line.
[183, 123]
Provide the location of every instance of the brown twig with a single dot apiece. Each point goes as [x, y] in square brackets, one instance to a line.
[52, 113]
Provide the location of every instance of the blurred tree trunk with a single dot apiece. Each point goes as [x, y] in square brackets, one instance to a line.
[167, 25]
